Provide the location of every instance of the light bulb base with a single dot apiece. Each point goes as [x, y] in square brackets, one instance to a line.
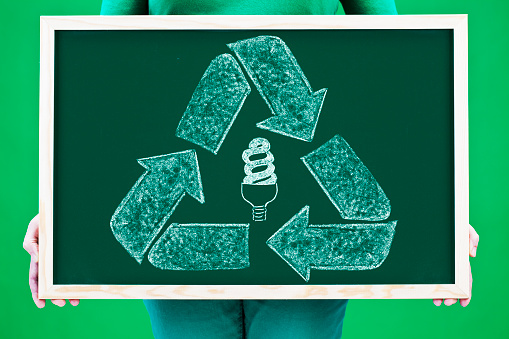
[259, 213]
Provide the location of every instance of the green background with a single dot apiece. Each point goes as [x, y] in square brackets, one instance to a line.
[485, 316]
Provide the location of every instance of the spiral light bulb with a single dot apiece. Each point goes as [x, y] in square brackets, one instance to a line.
[259, 186]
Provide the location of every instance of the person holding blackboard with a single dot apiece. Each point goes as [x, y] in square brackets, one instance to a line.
[234, 318]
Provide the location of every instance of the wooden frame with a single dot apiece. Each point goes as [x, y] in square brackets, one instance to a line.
[49, 25]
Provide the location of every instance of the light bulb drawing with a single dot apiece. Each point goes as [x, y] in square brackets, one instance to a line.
[259, 187]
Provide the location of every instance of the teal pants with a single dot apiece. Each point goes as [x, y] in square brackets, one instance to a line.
[251, 319]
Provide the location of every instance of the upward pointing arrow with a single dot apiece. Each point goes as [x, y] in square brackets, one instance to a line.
[151, 201]
[282, 84]
[331, 247]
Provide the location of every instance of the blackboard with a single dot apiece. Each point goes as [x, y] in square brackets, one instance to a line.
[150, 121]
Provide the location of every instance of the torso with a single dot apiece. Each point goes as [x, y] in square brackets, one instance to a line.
[246, 7]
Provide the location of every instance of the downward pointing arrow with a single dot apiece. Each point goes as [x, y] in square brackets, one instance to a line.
[215, 103]
[151, 201]
[331, 247]
[282, 84]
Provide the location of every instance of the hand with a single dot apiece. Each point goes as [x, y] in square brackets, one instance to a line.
[31, 245]
[474, 241]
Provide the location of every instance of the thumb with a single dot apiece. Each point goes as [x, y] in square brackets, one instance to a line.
[474, 241]
[31, 240]
[33, 250]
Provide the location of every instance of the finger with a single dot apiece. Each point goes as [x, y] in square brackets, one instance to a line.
[472, 250]
[31, 240]
[58, 302]
[474, 241]
[465, 302]
[33, 283]
[449, 302]
[40, 303]
[74, 302]
[437, 302]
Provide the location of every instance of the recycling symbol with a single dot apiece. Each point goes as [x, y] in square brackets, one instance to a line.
[206, 122]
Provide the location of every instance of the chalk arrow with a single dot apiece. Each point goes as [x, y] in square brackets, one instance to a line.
[215, 103]
[200, 247]
[331, 247]
[151, 201]
[282, 84]
[347, 182]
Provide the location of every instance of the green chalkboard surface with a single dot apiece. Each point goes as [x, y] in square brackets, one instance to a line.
[359, 179]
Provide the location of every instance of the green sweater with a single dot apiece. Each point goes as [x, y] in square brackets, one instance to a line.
[258, 7]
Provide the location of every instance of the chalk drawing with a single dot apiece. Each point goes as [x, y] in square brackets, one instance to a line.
[282, 84]
[260, 177]
[201, 247]
[259, 187]
[214, 105]
[212, 110]
[347, 182]
[151, 201]
[350, 247]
